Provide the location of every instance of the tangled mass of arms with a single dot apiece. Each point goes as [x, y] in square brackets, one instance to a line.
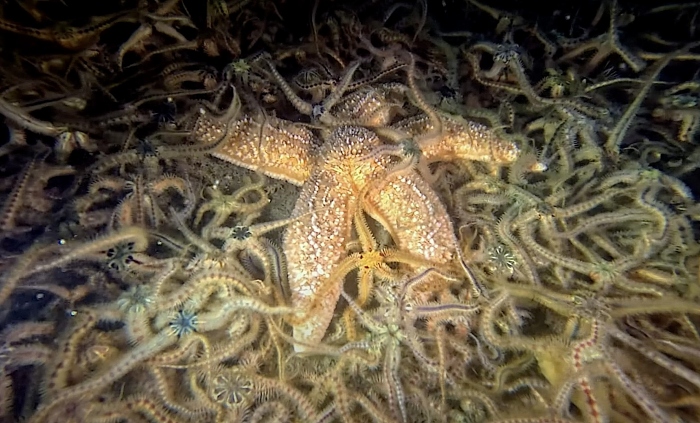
[219, 212]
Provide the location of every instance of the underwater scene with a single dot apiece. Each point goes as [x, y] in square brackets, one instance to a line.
[322, 211]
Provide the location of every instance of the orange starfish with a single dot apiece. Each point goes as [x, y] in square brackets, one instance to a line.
[334, 177]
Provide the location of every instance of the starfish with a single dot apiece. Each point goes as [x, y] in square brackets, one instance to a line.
[347, 171]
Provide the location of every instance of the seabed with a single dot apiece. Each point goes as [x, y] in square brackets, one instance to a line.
[349, 211]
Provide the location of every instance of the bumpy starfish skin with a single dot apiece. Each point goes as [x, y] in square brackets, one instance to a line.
[460, 140]
[420, 225]
[207, 129]
[315, 245]
[345, 171]
[276, 148]
[370, 106]
[414, 215]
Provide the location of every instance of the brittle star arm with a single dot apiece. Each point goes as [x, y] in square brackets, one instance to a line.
[317, 111]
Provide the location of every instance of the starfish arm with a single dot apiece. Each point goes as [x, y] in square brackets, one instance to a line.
[460, 140]
[369, 106]
[315, 246]
[412, 212]
[276, 148]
